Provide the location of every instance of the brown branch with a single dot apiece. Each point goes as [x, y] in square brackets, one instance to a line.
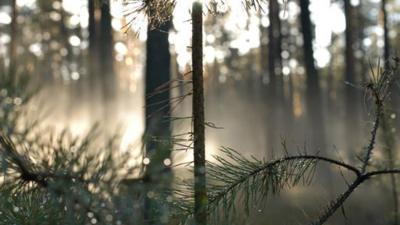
[378, 90]
[374, 131]
[336, 204]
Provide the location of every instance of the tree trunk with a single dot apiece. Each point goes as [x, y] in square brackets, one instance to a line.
[158, 73]
[200, 195]
[386, 52]
[275, 49]
[106, 48]
[106, 56]
[275, 96]
[351, 99]
[313, 92]
[92, 40]
[13, 43]
[158, 134]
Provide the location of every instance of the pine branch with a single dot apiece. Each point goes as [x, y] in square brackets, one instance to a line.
[64, 171]
[379, 90]
[234, 177]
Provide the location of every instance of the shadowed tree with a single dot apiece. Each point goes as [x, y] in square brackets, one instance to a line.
[386, 51]
[13, 41]
[275, 86]
[351, 93]
[313, 92]
[96, 74]
[92, 41]
[388, 135]
[106, 60]
[275, 50]
[158, 131]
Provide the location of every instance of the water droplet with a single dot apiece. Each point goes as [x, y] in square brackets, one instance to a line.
[167, 162]
[74, 40]
[16, 209]
[90, 214]
[17, 101]
[3, 92]
[393, 116]
[150, 194]
[109, 218]
[75, 76]
[146, 161]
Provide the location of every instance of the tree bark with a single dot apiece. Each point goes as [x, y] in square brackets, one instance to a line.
[200, 195]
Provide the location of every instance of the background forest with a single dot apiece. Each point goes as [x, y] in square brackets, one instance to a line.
[96, 97]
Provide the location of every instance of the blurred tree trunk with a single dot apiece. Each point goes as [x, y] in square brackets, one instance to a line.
[13, 42]
[363, 68]
[106, 60]
[158, 130]
[275, 96]
[313, 92]
[389, 140]
[275, 50]
[351, 94]
[92, 41]
[200, 189]
[386, 52]
[93, 78]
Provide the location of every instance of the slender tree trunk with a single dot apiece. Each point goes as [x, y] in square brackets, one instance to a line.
[106, 56]
[349, 49]
[389, 141]
[361, 35]
[200, 195]
[13, 43]
[92, 41]
[93, 78]
[386, 52]
[275, 49]
[106, 48]
[351, 95]
[313, 92]
[275, 96]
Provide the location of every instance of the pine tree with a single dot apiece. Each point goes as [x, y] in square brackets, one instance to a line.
[313, 92]
[73, 181]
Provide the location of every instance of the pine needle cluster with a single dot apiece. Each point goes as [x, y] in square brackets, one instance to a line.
[237, 184]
